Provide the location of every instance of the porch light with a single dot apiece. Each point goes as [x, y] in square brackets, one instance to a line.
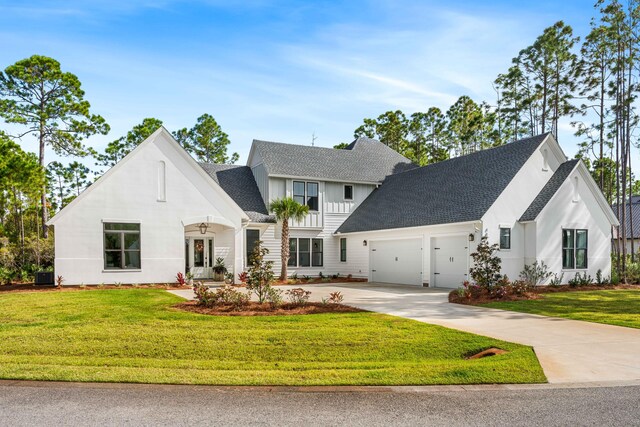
[364, 243]
[472, 237]
[203, 228]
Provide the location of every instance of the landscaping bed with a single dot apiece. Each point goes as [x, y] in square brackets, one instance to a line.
[257, 309]
[30, 287]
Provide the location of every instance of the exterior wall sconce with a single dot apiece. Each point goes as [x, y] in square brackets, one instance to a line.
[472, 237]
[203, 228]
[364, 243]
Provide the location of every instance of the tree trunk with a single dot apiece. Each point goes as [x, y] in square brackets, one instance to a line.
[43, 195]
[284, 249]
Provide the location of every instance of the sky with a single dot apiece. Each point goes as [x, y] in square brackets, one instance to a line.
[278, 70]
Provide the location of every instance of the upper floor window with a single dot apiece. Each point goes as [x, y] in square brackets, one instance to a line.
[574, 248]
[306, 193]
[348, 192]
[121, 246]
[505, 238]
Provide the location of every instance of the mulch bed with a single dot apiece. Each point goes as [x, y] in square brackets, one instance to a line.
[536, 294]
[257, 309]
[29, 287]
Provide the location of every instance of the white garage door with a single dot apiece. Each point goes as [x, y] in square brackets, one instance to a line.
[450, 261]
[397, 261]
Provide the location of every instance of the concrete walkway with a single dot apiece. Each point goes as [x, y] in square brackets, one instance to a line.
[568, 350]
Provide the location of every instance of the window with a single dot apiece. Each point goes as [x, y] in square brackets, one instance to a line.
[312, 196]
[305, 252]
[298, 192]
[306, 193]
[253, 237]
[343, 249]
[162, 182]
[348, 192]
[293, 253]
[121, 246]
[316, 252]
[505, 238]
[574, 249]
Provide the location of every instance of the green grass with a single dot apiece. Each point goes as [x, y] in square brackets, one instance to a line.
[614, 307]
[136, 336]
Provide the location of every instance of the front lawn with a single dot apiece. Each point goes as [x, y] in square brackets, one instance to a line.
[134, 335]
[614, 307]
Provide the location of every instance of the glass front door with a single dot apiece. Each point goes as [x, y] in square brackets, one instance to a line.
[201, 251]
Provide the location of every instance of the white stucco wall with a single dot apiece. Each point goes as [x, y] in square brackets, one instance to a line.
[564, 210]
[129, 192]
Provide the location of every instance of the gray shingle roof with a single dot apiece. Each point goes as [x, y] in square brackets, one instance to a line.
[238, 182]
[547, 192]
[455, 190]
[364, 160]
[634, 213]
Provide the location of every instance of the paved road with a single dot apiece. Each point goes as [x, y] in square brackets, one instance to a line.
[568, 350]
[68, 404]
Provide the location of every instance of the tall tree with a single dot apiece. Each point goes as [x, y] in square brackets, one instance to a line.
[427, 137]
[465, 123]
[390, 128]
[50, 103]
[118, 149]
[286, 209]
[58, 178]
[206, 141]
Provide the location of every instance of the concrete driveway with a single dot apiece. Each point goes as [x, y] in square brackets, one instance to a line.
[568, 350]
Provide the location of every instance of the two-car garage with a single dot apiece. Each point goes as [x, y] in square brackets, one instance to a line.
[401, 261]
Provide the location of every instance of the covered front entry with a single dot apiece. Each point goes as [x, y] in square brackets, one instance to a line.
[397, 261]
[450, 260]
[200, 255]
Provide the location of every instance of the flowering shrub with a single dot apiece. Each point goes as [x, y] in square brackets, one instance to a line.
[298, 296]
[486, 264]
[260, 274]
[225, 296]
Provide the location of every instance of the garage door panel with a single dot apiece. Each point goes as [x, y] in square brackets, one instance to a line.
[397, 261]
[450, 261]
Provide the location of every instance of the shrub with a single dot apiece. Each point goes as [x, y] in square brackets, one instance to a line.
[180, 279]
[601, 280]
[486, 264]
[260, 274]
[294, 276]
[274, 296]
[225, 296]
[580, 280]
[298, 296]
[535, 274]
[59, 281]
[633, 272]
[335, 297]
[556, 280]
[471, 290]
[242, 277]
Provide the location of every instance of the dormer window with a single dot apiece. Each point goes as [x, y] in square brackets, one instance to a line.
[306, 193]
[545, 160]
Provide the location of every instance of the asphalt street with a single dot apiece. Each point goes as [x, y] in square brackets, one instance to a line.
[70, 404]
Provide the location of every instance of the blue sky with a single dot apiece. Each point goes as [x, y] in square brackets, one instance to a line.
[278, 70]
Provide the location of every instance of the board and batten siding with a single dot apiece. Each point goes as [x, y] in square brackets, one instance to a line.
[262, 180]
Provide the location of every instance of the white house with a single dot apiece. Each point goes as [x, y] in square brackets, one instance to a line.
[373, 214]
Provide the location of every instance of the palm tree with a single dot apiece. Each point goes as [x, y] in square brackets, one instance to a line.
[284, 209]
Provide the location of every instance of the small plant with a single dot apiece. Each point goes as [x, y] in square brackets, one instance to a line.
[59, 281]
[336, 297]
[580, 280]
[600, 279]
[298, 296]
[242, 277]
[307, 278]
[326, 280]
[535, 274]
[219, 269]
[274, 297]
[100, 286]
[486, 264]
[260, 274]
[556, 280]
[349, 276]
[203, 295]
[228, 278]
[117, 284]
[320, 275]
[294, 276]
[181, 279]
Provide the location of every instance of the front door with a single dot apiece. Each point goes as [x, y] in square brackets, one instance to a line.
[201, 249]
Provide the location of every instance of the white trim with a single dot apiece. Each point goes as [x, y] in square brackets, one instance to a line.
[315, 178]
[351, 233]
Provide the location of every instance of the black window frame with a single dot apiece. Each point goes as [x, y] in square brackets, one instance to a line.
[313, 201]
[248, 249]
[121, 229]
[507, 246]
[343, 249]
[570, 249]
[304, 197]
[344, 192]
[296, 254]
